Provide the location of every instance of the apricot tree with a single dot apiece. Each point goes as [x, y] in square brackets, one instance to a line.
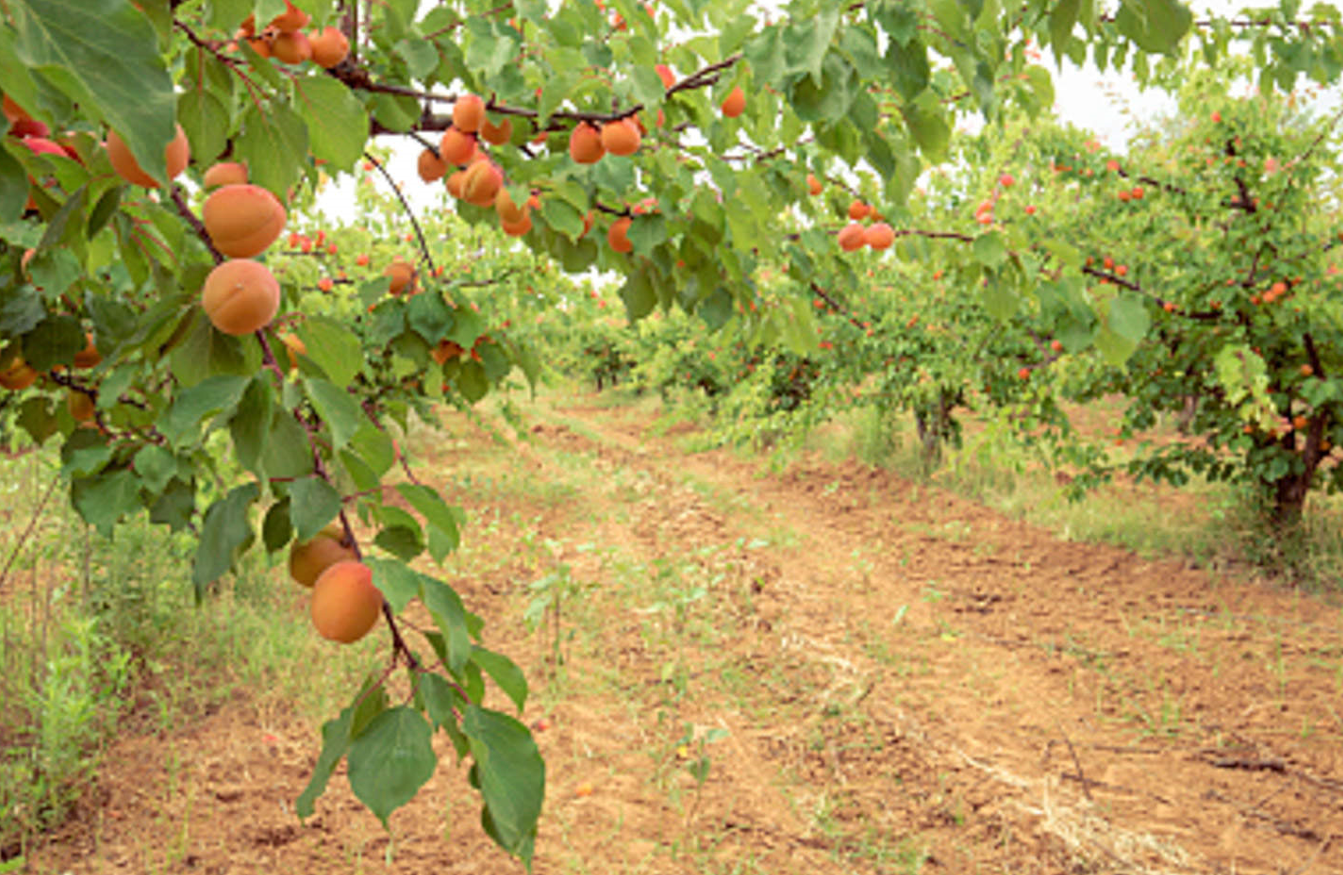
[677, 144]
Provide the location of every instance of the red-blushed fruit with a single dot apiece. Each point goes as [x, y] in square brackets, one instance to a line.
[1006, 180]
[240, 296]
[879, 236]
[454, 183]
[177, 153]
[496, 135]
[666, 75]
[345, 603]
[467, 113]
[858, 210]
[291, 47]
[851, 237]
[735, 103]
[362, 259]
[329, 47]
[326, 284]
[401, 273]
[291, 19]
[621, 137]
[481, 183]
[431, 167]
[456, 146]
[88, 357]
[813, 184]
[308, 559]
[27, 127]
[585, 144]
[618, 236]
[1056, 345]
[1024, 373]
[225, 173]
[19, 375]
[242, 220]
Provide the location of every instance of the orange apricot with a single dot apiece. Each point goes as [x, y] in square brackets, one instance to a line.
[242, 220]
[858, 210]
[291, 47]
[329, 47]
[496, 135]
[621, 137]
[666, 75]
[345, 603]
[225, 173]
[852, 236]
[508, 211]
[80, 405]
[401, 273]
[431, 166]
[879, 236]
[446, 349]
[454, 183]
[481, 183]
[468, 112]
[456, 146]
[240, 296]
[735, 103]
[308, 559]
[618, 236]
[291, 19]
[813, 184]
[88, 357]
[293, 347]
[19, 375]
[585, 144]
[177, 153]
[518, 228]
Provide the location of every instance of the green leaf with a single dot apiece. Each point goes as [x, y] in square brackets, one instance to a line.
[928, 126]
[335, 744]
[13, 187]
[1061, 20]
[250, 424]
[333, 347]
[999, 298]
[287, 453]
[174, 506]
[511, 776]
[392, 760]
[203, 118]
[504, 672]
[191, 408]
[990, 251]
[224, 533]
[337, 121]
[445, 605]
[1157, 26]
[435, 511]
[103, 500]
[439, 699]
[1128, 317]
[563, 217]
[155, 467]
[639, 295]
[53, 341]
[908, 66]
[337, 408]
[104, 55]
[276, 529]
[398, 582]
[272, 141]
[313, 503]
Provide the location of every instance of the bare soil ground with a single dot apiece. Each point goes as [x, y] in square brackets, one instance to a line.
[907, 682]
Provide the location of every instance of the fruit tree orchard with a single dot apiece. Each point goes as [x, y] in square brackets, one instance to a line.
[157, 150]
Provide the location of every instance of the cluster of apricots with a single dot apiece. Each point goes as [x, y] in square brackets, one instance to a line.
[855, 235]
[284, 39]
[242, 220]
[345, 603]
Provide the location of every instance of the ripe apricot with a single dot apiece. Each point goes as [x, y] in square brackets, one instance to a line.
[621, 137]
[496, 135]
[858, 210]
[481, 183]
[177, 153]
[618, 237]
[879, 236]
[345, 603]
[813, 184]
[308, 559]
[446, 349]
[225, 173]
[240, 296]
[454, 183]
[467, 113]
[431, 166]
[401, 273]
[242, 220]
[291, 47]
[88, 357]
[329, 47]
[293, 347]
[291, 19]
[585, 144]
[852, 236]
[508, 211]
[456, 146]
[19, 375]
[734, 103]
[518, 228]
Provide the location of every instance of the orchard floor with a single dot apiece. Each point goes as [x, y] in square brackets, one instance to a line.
[902, 681]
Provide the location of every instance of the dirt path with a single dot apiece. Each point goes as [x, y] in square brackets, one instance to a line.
[882, 677]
